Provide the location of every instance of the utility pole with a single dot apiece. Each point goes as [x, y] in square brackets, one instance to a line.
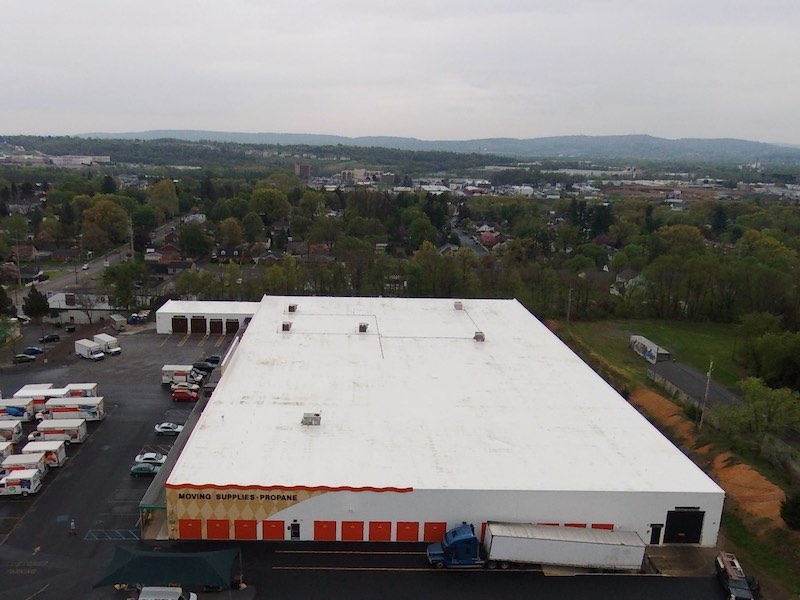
[705, 395]
[569, 304]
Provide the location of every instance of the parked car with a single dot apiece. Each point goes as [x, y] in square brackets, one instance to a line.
[205, 367]
[168, 429]
[144, 470]
[24, 358]
[184, 396]
[153, 458]
[31, 350]
[213, 359]
[185, 385]
[50, 337]
[85, 266]
[69, 328]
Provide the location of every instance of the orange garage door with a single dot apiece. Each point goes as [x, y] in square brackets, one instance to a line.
[244, 529]
[380, 531]
[352, 531]
[190, 529]
[218, 529]
[433, 532]
[325, 531]
[273, 530]
[407, 531]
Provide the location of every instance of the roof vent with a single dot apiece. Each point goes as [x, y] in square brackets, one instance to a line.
[312, 418]
[287, 326]
[479, 337]
[458, 305]
[293, 308]
[362, 327]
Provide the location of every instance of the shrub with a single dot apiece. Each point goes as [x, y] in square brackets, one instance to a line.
[790, 511]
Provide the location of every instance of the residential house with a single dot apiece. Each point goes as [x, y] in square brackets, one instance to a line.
[79, 308]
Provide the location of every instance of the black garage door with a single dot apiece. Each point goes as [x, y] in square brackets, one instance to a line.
[199, 325]
[231, 326]
[684, 526]
[215, 325]
[180, 325]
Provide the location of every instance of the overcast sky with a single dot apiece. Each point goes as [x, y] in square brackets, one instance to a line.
[431, 69]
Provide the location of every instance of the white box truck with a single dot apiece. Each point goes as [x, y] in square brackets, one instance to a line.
[21, 483]
[16, 409]
[6, 449]
[11, 431]
[175, 373]
[31, 460]
[55, 453]
[70, 431]
[91, 409]
[108, 344]
[505, 544]
[89, 349]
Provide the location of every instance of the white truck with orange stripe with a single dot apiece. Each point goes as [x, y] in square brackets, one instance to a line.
[91, 409]
[71, 431]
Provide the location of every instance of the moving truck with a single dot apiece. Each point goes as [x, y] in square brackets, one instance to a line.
[525, 543]
[71, 431]
[37, 391]
[81, 389]
[6, 448]
[16, 409]
[91, 409]
[11, 431]
[18, 462]
[55, 453]
[108, 344]
[89, 349]
[21, 482]
[175, 373]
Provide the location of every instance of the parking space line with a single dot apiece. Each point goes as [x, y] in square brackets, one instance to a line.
[219, 342]
[111, 535]
[166, 339]
[202, 341]
[183, 340]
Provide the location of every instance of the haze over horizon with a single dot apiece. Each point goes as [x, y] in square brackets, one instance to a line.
[435, 70]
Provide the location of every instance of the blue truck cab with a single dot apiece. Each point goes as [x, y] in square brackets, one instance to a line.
[459, 548]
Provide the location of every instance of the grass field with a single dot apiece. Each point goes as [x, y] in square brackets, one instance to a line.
[694, 344]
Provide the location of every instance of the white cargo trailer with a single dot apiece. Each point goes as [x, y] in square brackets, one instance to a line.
[566, 546]
[55, 453]
[11, 431]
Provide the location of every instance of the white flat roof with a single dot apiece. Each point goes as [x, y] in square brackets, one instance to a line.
[416, 402]
[208, 308]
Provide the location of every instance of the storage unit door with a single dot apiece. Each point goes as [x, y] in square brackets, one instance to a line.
[199, 325]
[244, 529]
[684, 526]
[324, 531]
[434, 532]
[231, 326]
[273, 530]
[380, 531]
[407, 531]
[190, 529]
[218, 529]
[215, 326]
[180, 324]
[352, 531]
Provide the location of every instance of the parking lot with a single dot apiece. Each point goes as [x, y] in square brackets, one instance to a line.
[40, 559]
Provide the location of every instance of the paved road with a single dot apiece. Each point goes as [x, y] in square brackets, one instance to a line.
[468, 242]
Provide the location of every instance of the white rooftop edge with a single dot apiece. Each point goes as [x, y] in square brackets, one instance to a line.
[416, 402]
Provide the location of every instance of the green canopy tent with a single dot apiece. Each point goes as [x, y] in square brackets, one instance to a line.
[138, 567]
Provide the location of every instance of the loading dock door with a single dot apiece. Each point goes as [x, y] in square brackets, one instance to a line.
[684, 526]
[352, 531]
[324, 531]
[190, 529]
[215, 325]
[180, 325]
[199, 325]
[231, 326]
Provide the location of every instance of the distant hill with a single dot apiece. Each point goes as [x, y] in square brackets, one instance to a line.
[610, 147]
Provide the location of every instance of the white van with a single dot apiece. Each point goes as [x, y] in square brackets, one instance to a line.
[165, 593]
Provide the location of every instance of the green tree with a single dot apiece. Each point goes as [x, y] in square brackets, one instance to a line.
[252, 227]
[7, 307]
[230, 232]
[105, 224]
[790, 511]
[35, 305]
[163, 197]
[144, 216]
[765, 411]
[109, 185]
[193, 242]
[270, 204]
[120, 282]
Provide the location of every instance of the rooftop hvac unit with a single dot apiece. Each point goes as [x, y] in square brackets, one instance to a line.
[458, 305]
[287, 325]
[311, 418]
[362, 327]
[293, 308]
[479, 337]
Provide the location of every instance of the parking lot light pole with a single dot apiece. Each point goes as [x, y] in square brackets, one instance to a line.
[705, 395]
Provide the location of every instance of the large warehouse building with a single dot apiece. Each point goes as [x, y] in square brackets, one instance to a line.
[383, 419]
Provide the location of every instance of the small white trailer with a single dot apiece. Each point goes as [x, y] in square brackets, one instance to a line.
[55, 453]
